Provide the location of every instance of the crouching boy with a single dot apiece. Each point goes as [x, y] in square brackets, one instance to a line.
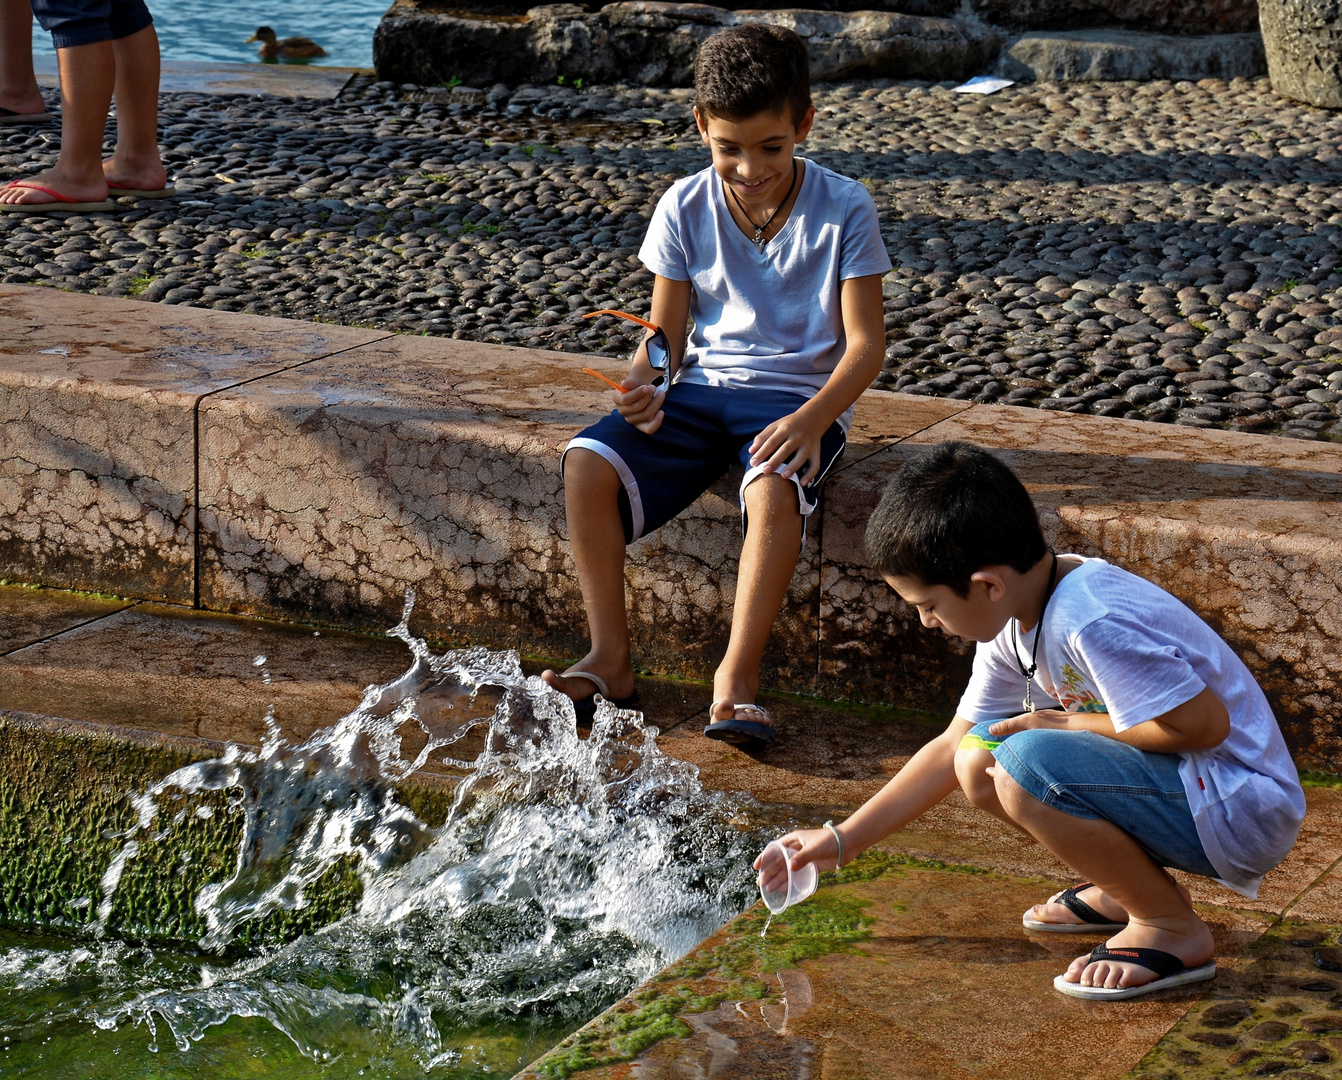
[777, 261]
[1102, 717]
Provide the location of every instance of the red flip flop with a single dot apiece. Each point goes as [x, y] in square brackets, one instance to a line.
[62, 203]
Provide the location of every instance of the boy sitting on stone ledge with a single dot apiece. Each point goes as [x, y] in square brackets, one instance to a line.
[778, 261]
[1102, 717]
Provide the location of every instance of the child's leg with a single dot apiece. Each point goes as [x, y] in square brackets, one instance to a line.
[768, 560]
[87, 75]
[1159, 916]
[1104, 808]
[19, 92]
[591, 494]
[136, 162]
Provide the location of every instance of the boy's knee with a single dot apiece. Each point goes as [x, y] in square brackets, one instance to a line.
[971, 770]
[587, 471]
[772, 496]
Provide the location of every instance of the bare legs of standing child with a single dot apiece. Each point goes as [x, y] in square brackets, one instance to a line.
[19, 93]
[90, 75]
[768, 559]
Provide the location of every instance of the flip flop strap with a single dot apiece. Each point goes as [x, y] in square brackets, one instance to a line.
[1068, 898]
[1162, 963]
[45, 191]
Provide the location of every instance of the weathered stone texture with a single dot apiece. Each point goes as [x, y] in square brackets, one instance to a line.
[1304, 49]
[322, 497]
[1244, 530]
[654, 43]
[97, 401]
[1170, 16]
[1102, 55]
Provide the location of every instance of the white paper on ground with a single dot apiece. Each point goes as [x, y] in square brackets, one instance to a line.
[984, 84]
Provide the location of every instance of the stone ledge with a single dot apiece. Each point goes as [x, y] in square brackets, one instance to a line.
[334, 468]
[1110, 55]
[654, 43]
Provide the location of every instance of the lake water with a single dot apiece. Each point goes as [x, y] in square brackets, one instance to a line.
[217, 31]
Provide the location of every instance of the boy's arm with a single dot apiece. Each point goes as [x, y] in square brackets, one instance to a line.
[641, 404]
[792, 444]
[1200, 723]
[928, 778]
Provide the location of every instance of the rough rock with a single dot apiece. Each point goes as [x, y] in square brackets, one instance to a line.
[654, 43]
[1102, 55]
[1304, 50]
[1171, 16]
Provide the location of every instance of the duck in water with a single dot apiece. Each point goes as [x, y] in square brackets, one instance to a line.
[291, 48]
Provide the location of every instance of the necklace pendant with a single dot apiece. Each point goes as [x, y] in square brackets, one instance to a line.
[759, 240]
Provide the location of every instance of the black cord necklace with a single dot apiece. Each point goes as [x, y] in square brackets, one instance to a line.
[1038, 633]
[759, 240]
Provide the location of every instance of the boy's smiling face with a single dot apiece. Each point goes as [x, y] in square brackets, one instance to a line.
[753, 156]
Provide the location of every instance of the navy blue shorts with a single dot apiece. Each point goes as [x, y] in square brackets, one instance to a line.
[704, 431]
[86, 22]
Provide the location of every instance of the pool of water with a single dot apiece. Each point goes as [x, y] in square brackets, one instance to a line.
[214, 31]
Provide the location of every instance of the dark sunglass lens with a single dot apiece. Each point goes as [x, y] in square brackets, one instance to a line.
[658, 353]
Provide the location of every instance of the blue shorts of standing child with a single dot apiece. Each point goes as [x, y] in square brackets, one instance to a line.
[778, 262]
[1102, 717]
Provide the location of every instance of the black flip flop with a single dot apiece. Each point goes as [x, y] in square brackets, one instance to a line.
[1092, 922]
[1170, 971]
[740, 732]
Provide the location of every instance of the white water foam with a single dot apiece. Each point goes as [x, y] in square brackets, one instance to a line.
[568, 869]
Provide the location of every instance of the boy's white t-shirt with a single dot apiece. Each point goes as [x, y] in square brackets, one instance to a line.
[1116, 643]
[771, 319]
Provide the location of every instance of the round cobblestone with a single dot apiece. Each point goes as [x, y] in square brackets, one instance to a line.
[1167, 252]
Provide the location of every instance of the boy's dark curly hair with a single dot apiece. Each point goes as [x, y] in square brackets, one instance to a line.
[950, 511]
[750, 69]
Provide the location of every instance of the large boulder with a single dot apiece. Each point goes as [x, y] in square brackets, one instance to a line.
[1304, 49]
[654, 43]
[1169, 16]
[1098, 55]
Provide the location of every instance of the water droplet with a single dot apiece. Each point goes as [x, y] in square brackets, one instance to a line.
[258, 661]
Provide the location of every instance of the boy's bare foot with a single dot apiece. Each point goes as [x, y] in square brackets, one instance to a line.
[1095, 897]
[728, 692]
[1184, 936]
[146, 175]
[618, 679]
[73, 189]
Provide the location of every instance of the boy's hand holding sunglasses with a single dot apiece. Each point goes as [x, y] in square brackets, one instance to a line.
[639, 397]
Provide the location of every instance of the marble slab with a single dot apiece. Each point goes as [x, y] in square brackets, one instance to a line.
[97, 430]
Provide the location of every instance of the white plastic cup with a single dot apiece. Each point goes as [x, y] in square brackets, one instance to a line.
[800, 884]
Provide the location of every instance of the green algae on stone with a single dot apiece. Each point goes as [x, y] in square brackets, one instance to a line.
[1273, 1013]
[832, 921]
[65, 812]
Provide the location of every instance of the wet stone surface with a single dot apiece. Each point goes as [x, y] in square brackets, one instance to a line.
[1272, 1014]
[1158, 251]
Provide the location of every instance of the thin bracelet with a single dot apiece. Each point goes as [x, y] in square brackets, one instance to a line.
[838, 840]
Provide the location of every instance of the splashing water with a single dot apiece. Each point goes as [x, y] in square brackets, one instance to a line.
[567, 870]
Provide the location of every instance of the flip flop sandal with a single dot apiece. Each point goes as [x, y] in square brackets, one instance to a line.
[1170, 971]
[120, 191]
[1092, 922]
[62, 203]
[740, 732]
[9, 116]
[584, 708]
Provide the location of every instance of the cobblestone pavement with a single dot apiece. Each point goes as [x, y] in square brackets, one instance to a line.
[1157, 250]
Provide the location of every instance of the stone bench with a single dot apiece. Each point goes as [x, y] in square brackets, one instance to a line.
[303, 471]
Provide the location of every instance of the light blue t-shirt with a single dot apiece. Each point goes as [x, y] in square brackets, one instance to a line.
[771, 319]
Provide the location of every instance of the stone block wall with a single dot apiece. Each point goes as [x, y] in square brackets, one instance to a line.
[332, 472]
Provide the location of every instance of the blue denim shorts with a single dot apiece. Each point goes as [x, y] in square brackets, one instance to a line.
[85, 22]
[1089, 776]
